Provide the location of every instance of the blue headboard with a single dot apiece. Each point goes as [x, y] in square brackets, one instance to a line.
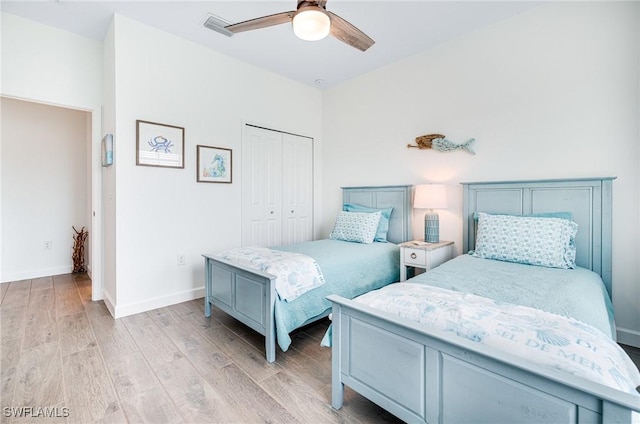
[399, 197]
[588, 200]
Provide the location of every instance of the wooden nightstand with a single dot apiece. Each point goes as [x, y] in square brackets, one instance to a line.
[424, 256]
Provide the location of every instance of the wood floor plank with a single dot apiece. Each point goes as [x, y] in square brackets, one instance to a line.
[301, 400]
[191, 310]
[39, 377]
[112, 335]
[247, 357]
[151, 406]
[68, 302]
[41, 283]
[230, 322]
[310, 346]
[152, 342]
[7, 385]
[64, 283]
[10, 350]
[85, 294]
[317, 373]
[98, 313]
[246, 397]
[41, 328]
[90, 396]
[317, 329]
[143, 398]
[82, 279]
[196, 400]
[63, 279]
[164, 317]
[75, 333]
[21, 285]
[3, 291]
[202, 353]
[13, 322]
[113, 415]
[17, 294]
[43, 298]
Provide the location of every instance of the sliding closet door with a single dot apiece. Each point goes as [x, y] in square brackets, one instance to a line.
[261, 187]
[297, 189]
[277, 188]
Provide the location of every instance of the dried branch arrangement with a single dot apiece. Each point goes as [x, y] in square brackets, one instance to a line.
[78, 249]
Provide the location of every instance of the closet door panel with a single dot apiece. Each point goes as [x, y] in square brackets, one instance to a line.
[261, 187]
[297, 188]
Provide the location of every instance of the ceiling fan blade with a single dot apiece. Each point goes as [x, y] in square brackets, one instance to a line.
[349, 34]
[263, 22]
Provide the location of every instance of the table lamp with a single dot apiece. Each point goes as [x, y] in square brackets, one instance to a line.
[430, 196]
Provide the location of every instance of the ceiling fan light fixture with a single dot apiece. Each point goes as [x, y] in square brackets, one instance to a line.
[311, 23]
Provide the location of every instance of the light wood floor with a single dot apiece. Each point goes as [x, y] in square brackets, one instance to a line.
[58, 349]
[61, 350]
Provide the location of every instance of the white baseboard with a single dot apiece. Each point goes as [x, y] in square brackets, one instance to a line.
[628, 337]
[155, 303]
[37, 273]
[108, 301]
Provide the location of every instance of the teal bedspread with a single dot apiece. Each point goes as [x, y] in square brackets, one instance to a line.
[349, 270]
[577, 293]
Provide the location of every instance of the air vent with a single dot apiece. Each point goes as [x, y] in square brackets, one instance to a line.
[217, 24]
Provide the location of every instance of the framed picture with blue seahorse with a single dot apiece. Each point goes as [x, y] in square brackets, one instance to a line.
[159, 145]
[214, 164]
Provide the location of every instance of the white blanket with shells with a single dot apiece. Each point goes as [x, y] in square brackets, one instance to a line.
[295, 273]
[550, 340]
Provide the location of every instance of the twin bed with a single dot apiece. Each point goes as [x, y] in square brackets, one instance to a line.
[349, 269]
[485, 340]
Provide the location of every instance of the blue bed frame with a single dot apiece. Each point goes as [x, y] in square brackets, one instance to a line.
[249, 295]
[421, 376]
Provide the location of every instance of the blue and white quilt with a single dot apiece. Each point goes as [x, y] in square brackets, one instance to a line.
[295, 273]
[549, 340]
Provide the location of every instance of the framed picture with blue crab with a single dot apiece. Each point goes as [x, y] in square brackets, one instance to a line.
[214, 164]
[159, 145]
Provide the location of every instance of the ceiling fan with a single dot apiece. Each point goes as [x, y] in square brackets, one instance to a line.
[311, 21]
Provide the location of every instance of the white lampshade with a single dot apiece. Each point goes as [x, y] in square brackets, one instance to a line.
[311, 24]
[430, 196]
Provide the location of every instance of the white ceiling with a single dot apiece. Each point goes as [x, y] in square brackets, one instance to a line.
[400, 29]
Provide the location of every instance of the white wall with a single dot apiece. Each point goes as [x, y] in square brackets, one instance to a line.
[44, 187]
[47, 65]
[108, 174]
[551, 93]
[161, 212]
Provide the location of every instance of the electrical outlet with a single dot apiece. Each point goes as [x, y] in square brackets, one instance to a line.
[47, 245]
[182, 260]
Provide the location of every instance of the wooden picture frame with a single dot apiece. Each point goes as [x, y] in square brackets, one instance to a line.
[159, 145]
[214, 164]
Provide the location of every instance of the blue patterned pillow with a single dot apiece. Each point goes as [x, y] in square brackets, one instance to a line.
[383, 225]
[541, 241]
[360, 227]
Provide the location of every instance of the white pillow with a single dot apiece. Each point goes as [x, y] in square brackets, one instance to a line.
[359, 227]
[541, 241]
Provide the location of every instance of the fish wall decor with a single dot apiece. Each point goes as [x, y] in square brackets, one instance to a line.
[441, 144]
